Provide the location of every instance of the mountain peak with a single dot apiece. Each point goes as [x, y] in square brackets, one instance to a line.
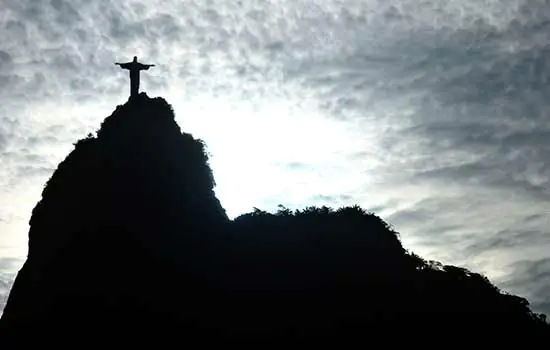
[139, 192]
[141, 116]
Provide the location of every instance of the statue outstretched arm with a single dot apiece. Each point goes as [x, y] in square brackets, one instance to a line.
[123, 65]
[145, 66]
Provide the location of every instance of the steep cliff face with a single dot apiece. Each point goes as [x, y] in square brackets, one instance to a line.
[140, 173]
[124, 214]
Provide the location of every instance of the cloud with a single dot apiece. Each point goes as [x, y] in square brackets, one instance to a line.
[8, 268]
[531, 278]
[433, 114]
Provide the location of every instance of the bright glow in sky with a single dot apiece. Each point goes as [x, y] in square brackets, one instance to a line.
[433, 114]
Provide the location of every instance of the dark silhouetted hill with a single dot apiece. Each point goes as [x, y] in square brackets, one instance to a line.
[129, 242]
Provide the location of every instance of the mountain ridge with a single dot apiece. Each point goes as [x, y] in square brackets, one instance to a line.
[129, 232]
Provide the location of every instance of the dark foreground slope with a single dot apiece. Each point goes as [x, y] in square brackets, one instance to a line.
[122, 229]
[130, 242]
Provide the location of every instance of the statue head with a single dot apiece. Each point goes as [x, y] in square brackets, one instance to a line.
[135, 58]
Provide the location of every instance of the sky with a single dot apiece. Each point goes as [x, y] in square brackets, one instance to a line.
[432, 114]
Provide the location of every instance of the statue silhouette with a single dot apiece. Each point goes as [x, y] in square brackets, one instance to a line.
[134, 67]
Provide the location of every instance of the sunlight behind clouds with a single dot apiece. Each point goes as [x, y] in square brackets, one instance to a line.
[273, 149]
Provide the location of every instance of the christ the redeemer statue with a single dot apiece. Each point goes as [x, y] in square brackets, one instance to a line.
[134, 67]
